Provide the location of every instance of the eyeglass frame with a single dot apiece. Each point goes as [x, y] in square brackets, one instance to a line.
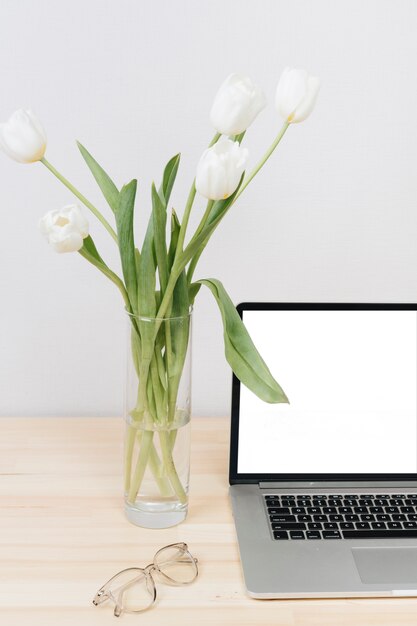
[101, 595]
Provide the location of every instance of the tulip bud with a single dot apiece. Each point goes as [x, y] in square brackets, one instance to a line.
[22, 137]
[236, 105]
[296, 94]
[220, 169]
[65, 229]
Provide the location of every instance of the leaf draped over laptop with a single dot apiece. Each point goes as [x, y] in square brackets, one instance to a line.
[240, 351]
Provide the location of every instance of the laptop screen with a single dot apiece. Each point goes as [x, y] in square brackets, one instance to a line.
[350, 376]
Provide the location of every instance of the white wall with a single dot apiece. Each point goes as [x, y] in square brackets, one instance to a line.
[333, 216]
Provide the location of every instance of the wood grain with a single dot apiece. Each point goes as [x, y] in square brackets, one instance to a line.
[63, 534]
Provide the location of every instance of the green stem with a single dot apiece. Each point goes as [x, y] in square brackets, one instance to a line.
[263, 160]
[80, 196]
[171, 472]
[141, 464]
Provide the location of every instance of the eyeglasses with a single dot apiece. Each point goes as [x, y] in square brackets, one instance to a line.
[133, 590]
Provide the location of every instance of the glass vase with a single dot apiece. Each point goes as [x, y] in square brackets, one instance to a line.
[157, 412]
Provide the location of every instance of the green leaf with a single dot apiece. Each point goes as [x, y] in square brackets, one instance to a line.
[159, 216]
[168, 179]
[146, 276]
[124, 223]
[90, 248]
[193, 290]
[175, 231]
[107, 186]
[241, 354]
[91, 254]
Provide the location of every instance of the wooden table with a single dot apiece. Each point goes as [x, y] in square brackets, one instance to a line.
[63, 534]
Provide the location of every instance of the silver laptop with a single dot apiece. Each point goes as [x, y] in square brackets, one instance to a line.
[324, 490]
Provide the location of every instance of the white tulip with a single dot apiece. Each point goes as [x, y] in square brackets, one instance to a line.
[22, 137]
[220, 169]
[236, 105]
[65, 228]
[296, 94]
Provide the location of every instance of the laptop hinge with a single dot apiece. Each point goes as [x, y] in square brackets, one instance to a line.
[330, 484]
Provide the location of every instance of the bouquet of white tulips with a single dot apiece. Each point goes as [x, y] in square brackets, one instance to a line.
[157, 280]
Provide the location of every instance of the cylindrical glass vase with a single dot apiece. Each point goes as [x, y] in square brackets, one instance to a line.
[157, 412]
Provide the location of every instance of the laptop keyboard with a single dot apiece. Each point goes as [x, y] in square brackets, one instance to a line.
[348, 516]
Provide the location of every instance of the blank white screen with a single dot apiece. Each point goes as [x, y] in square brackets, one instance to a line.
[350, 377]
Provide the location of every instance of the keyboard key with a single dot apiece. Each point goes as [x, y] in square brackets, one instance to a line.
[412, 502]
[376, 509]
[383, 518]
[296, 534]
[335, 495]
[282, 518]
[319, 502]
[345, 509]
[378, 525]
[352, 518]
[380, 534]
[400, 517]
[336, 518]
[289, 526]
[360, 509]
[368, 518]
[410, 524]
[362, 525]
[330, 526]
[304, 518]
[395, 525]
[366, 502]
[314, 526]
[314, 509]
[391, 509]
[298, 510]
[332, 534]
[347, 525]
[286, 502]
[320, 518]
[279, 511]
[412, 517]
[399, 495]
[280, 535]
[379, 502]
[329, 509]
[313, 534]
[407, 509]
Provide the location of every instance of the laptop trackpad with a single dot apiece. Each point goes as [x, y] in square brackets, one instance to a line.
[386, 565]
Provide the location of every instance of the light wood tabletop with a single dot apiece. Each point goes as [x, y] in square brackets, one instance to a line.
[63, 534]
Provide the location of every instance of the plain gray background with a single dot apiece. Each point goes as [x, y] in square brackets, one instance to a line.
[333, 216]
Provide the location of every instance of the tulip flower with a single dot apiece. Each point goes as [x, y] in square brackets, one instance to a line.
[22, 137]
[296, 95]
[236, 105]
[65, 228]
[220, 169]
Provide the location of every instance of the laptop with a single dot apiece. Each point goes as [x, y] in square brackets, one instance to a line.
[324, 489]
